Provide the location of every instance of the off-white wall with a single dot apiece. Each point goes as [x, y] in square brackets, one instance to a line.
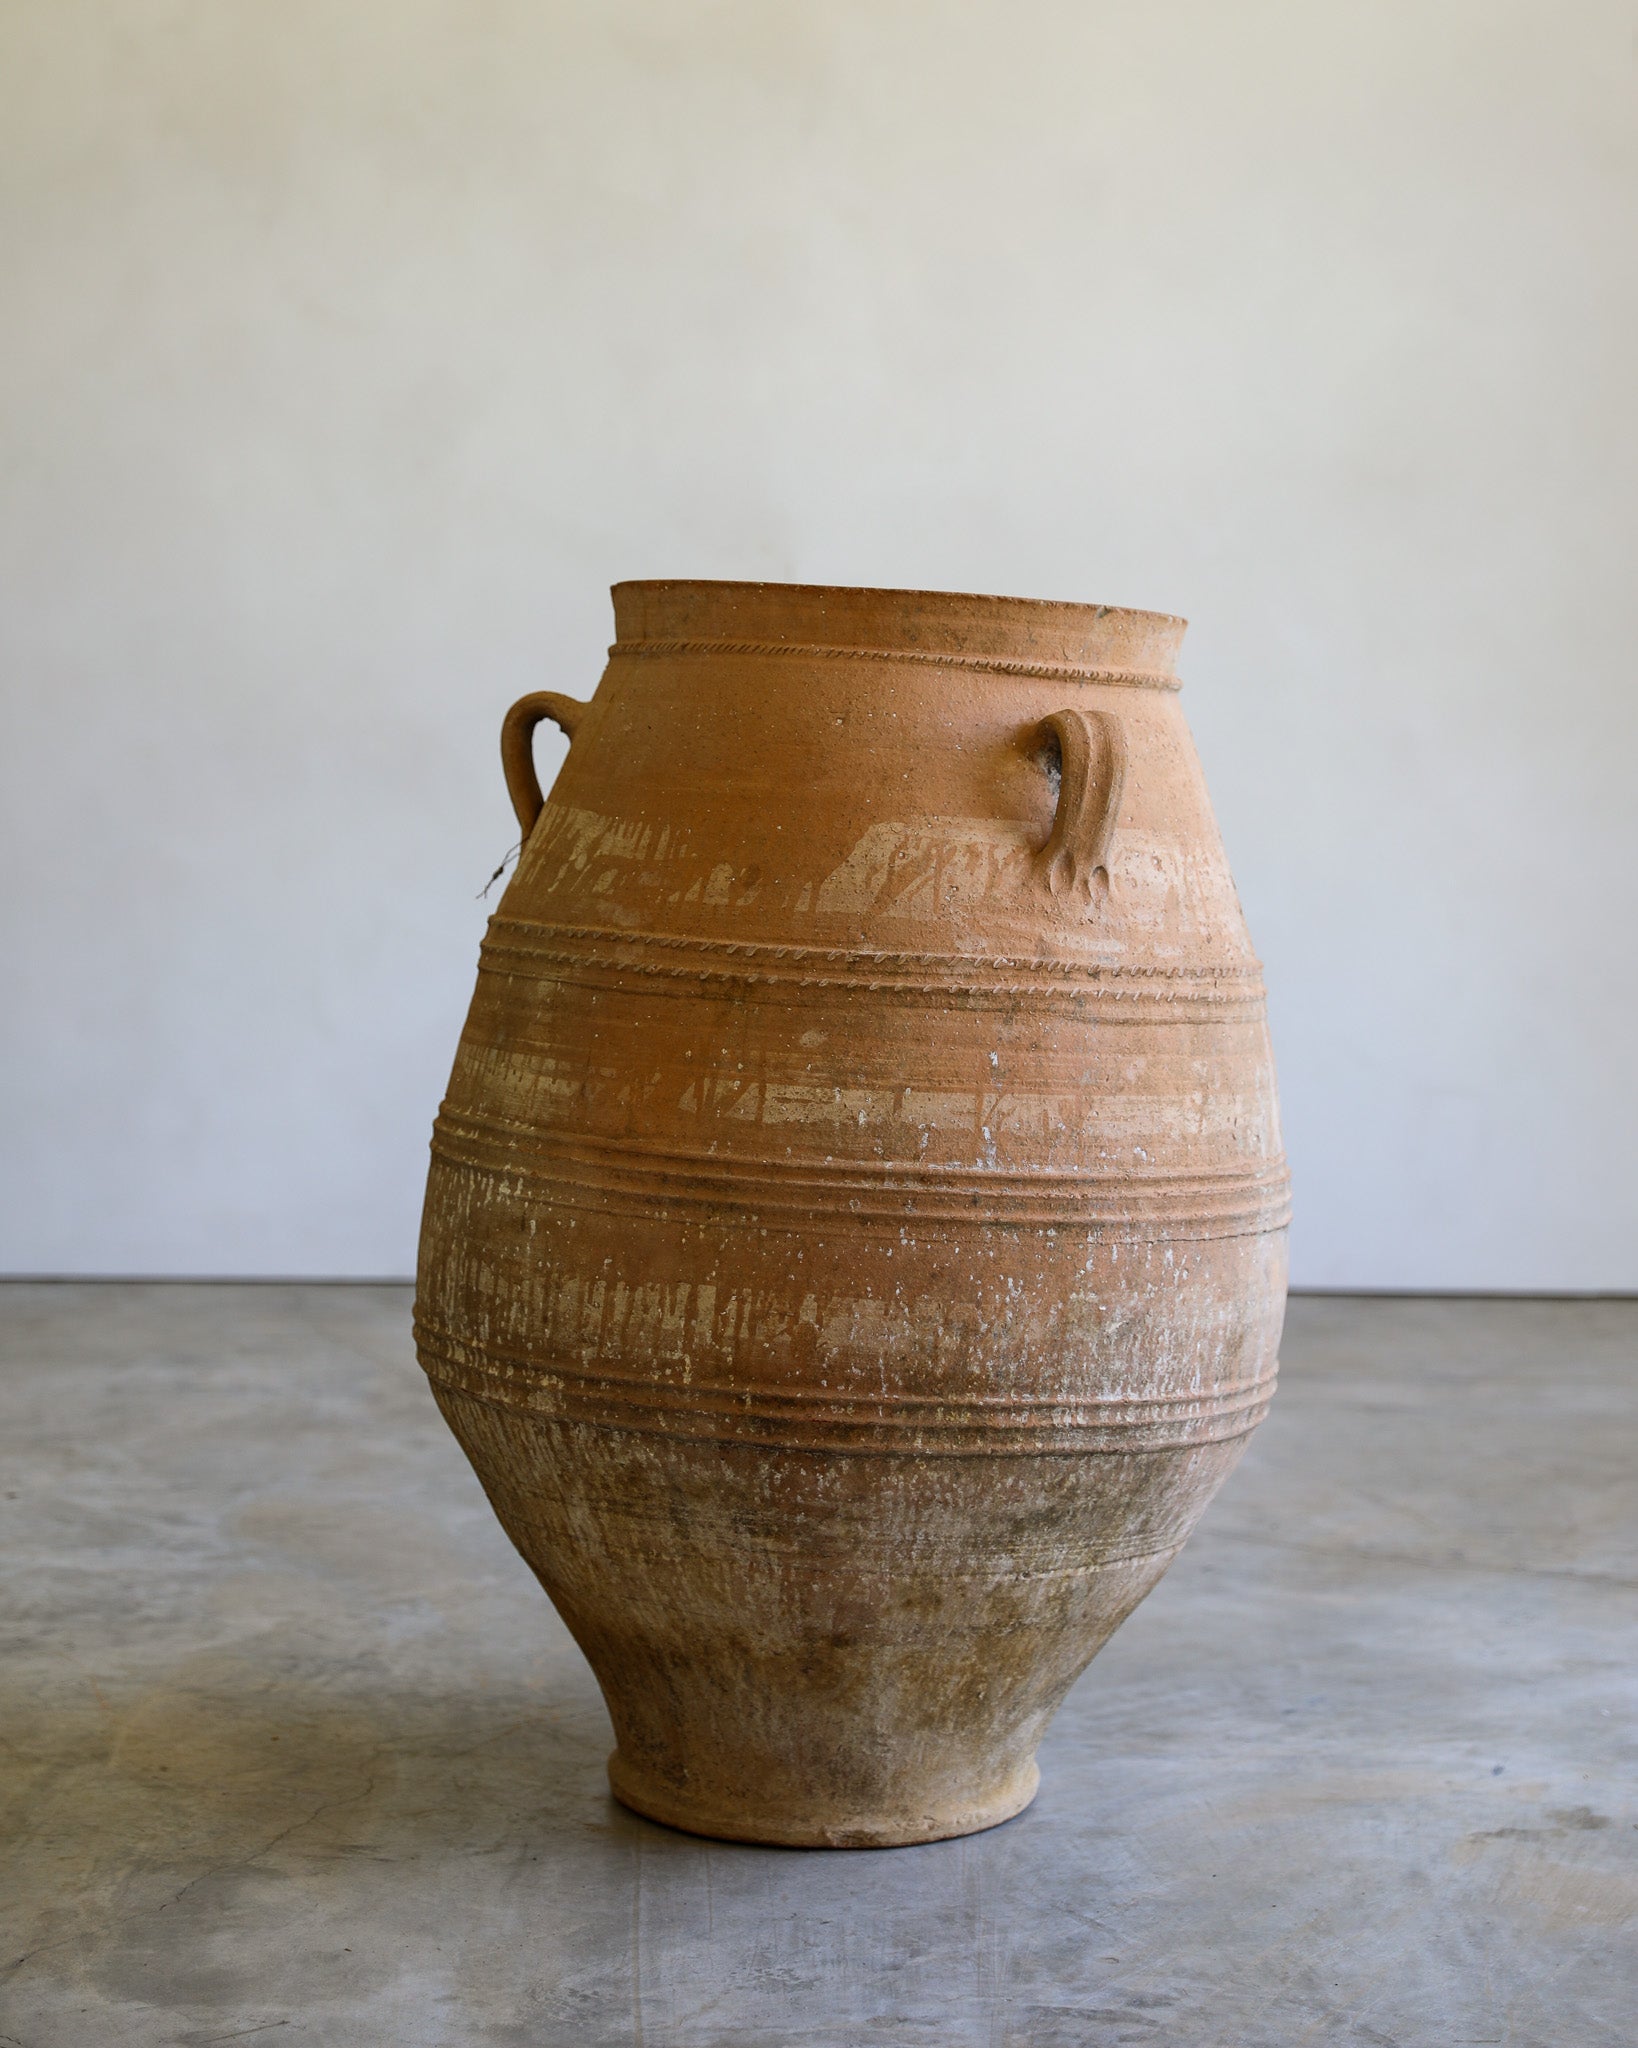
[352, 347]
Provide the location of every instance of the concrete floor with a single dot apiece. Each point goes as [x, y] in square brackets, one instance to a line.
[293, 1748]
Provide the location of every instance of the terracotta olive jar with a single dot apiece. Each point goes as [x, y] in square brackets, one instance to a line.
[854, 1251]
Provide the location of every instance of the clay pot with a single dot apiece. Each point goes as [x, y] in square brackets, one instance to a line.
[854, 1251]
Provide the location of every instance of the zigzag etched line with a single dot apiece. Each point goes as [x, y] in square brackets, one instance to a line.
[764, 950]
[939, 978]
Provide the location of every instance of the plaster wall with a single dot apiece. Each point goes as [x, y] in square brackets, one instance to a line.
[351, 350]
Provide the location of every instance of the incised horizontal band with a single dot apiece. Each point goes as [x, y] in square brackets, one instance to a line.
[903, 1425]
[573, 1169]
[994, 664]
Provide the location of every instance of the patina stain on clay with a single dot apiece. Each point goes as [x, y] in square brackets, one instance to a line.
[854, 1250]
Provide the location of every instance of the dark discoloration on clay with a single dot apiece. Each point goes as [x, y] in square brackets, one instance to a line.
[854, 1248]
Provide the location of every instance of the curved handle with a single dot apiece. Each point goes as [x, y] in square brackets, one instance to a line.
[1092, 748]
[518, 751]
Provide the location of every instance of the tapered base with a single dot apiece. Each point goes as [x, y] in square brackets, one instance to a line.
[819, 1827]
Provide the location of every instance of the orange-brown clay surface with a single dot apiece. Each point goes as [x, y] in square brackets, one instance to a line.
[854, 1250]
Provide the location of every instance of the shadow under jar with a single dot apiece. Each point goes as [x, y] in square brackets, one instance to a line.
[854, 1251]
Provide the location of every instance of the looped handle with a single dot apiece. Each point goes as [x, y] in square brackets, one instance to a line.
[518, 752]
[1092, 748]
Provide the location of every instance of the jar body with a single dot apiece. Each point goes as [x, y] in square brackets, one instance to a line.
[854, 1246]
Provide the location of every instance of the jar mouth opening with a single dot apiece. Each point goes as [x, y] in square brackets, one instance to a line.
[961, 624]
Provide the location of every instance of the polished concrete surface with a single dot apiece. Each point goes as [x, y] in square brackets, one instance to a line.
[293, 1749]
